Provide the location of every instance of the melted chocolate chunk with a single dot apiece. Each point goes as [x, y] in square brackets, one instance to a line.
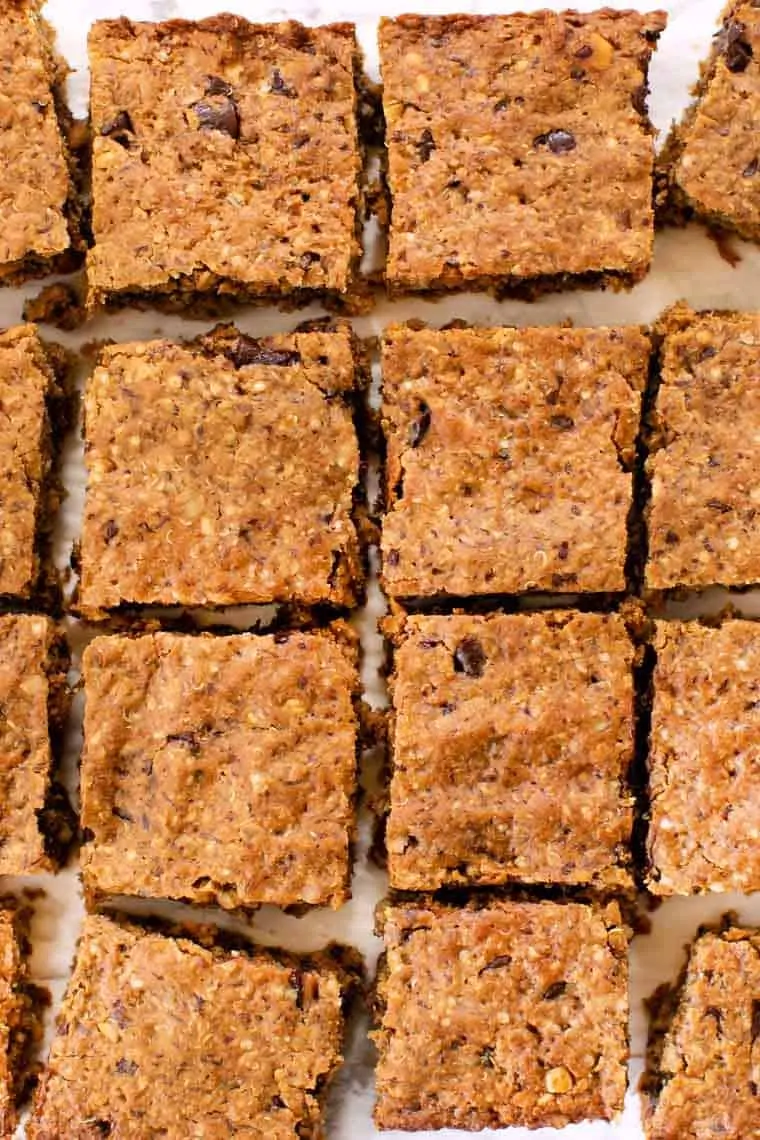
[469, 657]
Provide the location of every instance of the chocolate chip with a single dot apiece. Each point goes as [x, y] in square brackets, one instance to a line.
[469, 657]
[584, 51]
[751, 169]
[555, 990]
[577, 73]
[737, 50]
[217, 86]
[562, 551]
[496, 963]
[220, 115]
[558, 142]
[392, 558]
[278, 86]
[639, 99]
[247, 351]
[426, 145]
[486, 1057]
[420, 426]
[671, 538]
[755, 1031]
[309, 258]
[119, 129]
[721, 507]
[110, 530]
[128, 1068]
[562, 423]
[501, 105]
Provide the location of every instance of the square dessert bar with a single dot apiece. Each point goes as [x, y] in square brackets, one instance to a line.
[20, 1015]
[711, 161]
[509, 457]
[220, 769]
[704, 1059]
[507, 1013]
[37, 207]
[222, 472]
[162, 1036]
[34, 817]
[27, 385]
[226, 160]
[704, 776]
[520, 152]
[512, 739]
[703, 521]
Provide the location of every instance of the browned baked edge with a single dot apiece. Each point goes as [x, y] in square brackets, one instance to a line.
[23, 1017]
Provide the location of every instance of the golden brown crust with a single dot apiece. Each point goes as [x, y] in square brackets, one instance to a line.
[711, 165]
[508, 1013]
[167, 1036]
[512, 742]
[704, 784]
[706, 1083]
[703, 472]
[20, 1014]
[509, 458]
[527, 106]
[220, 769]
[239, 142]
[207, 477]
[36, 191]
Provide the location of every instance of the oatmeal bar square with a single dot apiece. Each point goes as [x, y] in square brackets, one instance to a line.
[509, 458]
[220, 769]
[520, 151]
[512, 740]
[226, 160]
[499, 1014]
[222, 472]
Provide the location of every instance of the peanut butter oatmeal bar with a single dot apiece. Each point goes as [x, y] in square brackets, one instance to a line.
[27, 384]
[705, 475]
[705, 743]
[704, 1064]
[34, 816]
[226, 161]
[509, 458]
[37, 200]
[520, 152]
[222, 472]
[520, 771]
[20, 1014]
[499, 1014]
[164, 1036]
[220, 769]
[711, 162]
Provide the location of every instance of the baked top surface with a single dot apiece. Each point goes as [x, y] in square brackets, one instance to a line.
[223, 151]
[704, 473]
[512, 740]
[35, 183]
[710, 1061]
[222, 472]
[515, 1013]
[25, 382]
[220, 769]
[718, 165]
[509, 457]
[25, 754]
[162, 1034]
[703, 759]
[518, 145]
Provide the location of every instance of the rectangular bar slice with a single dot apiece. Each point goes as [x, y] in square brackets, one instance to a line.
[220, 769]
[37, 207]
[27, 383]
[711, 161]
[34, 816]
[222, 472]
[704, 1060]
[20, 1014]
[507, 1013]
[226, 160]
[163, 1036]
[704, 778]
[512, 740]
[520, 152]
[509, 458]
[704, 472]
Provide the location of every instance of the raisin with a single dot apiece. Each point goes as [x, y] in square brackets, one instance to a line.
[555, 990]
[217, 86]
[247, 351]
[220, 115]
[426, 145]
[278, 86]
[120, 128]
[751, 169]
[420, 426]
[737, 51]
[469, 657]
[558, 142]
[496, 963]
[128, 1068]
[562, 423]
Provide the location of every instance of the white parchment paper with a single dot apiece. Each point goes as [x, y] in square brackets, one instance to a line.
[687, 265]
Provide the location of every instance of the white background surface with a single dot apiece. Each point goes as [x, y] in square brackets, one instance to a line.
[687, 265]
